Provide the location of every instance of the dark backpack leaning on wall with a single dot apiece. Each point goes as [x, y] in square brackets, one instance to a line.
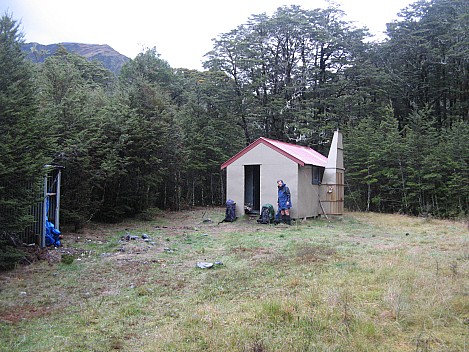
[230, 213]
[267, 214]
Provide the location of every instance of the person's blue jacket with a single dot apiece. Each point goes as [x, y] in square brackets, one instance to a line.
[284, 197]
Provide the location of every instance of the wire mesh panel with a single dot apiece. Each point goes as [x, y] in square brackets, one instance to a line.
[46, 207]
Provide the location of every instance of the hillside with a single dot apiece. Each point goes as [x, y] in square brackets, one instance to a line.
[111, 59]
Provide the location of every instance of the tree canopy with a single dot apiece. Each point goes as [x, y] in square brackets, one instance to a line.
[25, 137]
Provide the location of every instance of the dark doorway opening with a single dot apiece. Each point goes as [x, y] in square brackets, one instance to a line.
[252, 188]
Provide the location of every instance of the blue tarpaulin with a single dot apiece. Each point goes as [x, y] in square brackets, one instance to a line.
[52, 234]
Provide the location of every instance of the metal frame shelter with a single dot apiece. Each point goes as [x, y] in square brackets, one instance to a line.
[47, 208]
[51, 191]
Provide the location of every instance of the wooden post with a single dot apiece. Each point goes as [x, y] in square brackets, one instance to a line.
[44, 214]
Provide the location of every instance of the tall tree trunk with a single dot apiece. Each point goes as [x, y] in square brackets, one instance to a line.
[193, 192]
[368, 197]
[404, 191]
[222, 188]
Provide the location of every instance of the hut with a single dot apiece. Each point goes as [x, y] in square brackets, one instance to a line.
[316, 182]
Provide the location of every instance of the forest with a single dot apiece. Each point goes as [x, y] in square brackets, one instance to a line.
[155, 136]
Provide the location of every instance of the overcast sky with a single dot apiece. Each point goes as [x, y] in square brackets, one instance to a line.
[180, 30]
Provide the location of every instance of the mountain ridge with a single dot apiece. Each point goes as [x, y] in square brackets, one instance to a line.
[109, 57]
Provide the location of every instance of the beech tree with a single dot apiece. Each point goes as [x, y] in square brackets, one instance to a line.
[72, 92]
[155, 151]
[427, 57]
[25, 136]
[289, 72]
[209, 135]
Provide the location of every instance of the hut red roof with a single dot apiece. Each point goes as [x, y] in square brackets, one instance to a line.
[299, 154]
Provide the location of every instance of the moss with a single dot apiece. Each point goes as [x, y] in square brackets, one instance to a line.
[67, 259]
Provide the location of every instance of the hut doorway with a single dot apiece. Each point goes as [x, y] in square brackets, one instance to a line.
[252, 188]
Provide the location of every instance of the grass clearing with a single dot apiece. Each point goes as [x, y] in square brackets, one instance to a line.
[362, 282]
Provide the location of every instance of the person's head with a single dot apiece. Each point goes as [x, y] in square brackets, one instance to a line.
[279, 183]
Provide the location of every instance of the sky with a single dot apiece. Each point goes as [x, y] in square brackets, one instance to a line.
[180, 30]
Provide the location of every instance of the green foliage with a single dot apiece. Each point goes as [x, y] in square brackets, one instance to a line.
[10, 255]
[155, 144]
[67, 259]
[24, 134]
[418, 166]
[427, 58]
[291, 72]
[418, 170]
[74, 92]
[210, 135]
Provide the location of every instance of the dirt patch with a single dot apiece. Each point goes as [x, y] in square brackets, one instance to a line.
[313, 254]
[33, 254]
[19, 313]
[255, 253]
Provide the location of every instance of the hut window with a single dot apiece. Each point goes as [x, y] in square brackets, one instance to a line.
[318, 172]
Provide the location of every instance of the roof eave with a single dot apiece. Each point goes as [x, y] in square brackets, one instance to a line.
[240, 153]
[266, 142]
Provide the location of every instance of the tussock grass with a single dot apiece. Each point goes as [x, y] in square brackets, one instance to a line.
[362, 282]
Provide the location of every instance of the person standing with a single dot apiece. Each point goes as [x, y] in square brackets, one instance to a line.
[284, 201]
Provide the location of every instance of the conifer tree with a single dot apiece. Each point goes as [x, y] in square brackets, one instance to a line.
[23, 134]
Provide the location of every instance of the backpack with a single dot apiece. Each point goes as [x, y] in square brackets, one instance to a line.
[267, 214]
[230, 213]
